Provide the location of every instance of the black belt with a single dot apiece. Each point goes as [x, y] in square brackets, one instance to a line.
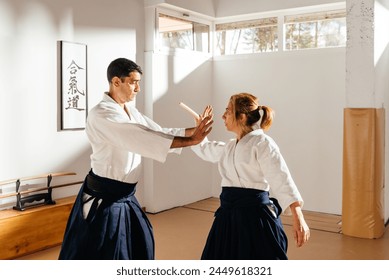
[107, 188]
[232, 197]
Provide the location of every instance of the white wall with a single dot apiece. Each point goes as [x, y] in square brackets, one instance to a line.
[30, 142]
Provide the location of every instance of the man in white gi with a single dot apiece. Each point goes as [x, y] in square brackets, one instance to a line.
[107, 221]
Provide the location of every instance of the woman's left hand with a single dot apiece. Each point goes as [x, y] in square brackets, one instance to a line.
[301, 232]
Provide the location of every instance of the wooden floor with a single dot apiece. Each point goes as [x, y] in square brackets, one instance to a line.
[180, 233]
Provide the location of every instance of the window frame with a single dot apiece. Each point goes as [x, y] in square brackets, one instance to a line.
[186, 16]
[280, 14]
[212, 21]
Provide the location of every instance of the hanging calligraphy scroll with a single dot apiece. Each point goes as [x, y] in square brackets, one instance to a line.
[73, 85]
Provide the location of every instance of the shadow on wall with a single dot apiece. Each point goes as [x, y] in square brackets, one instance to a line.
[183, 178]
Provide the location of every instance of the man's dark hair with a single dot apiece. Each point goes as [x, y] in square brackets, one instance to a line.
[122, 67]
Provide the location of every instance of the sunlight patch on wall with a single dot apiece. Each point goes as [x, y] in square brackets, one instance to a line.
[171, 70]
[161, 75]
[185, 65]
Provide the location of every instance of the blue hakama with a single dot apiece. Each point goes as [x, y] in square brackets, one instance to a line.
[245, 228]
[114, 227]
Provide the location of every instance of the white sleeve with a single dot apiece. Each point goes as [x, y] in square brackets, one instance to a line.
[132, 137]
[172, 131]
[276, 172]
[154, 126]
[209, 150]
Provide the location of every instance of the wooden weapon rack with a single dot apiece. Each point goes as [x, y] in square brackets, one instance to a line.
[36, 196]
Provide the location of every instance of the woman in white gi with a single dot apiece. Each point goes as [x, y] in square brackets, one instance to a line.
[106, 221]
[247, 224]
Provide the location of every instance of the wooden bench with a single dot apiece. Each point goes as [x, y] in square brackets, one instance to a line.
[30, 227]
[32, 230]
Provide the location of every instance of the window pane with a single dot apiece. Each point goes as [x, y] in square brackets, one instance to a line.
[247, 37]
[319, 30]
[175, 33]
[183, 34]
[201, 33]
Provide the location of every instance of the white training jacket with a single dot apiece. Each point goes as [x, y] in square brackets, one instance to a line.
[254, 162]
[119, 143]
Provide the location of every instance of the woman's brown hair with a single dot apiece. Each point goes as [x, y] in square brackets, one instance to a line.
[246, 103]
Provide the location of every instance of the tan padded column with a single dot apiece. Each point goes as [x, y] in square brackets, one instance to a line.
[363, 172]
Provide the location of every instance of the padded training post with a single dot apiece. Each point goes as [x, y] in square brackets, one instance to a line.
[363, 172]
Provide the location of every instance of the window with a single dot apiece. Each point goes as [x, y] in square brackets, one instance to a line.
[315, 30]
[253, 36]
[179, 33]
[323, 29]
